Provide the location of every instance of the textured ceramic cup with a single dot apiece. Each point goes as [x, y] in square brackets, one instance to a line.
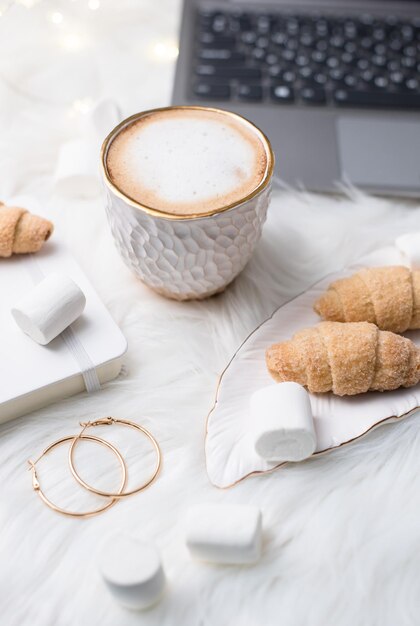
[187, 256]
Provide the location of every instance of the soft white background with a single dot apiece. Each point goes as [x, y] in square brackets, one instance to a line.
[342, 541]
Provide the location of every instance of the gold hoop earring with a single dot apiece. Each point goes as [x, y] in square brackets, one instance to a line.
[37, 487]
[109, 421]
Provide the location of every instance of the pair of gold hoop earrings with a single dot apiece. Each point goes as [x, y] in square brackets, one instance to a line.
[114, 497]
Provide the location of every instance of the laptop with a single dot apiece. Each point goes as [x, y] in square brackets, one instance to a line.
[335, 85]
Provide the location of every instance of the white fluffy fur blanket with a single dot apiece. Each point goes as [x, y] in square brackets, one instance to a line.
[342, 542]
[342, 539]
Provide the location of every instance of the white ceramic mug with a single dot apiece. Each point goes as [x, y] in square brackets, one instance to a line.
[187, 256]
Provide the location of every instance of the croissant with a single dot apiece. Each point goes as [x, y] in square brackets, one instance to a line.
[21, 232]
[386, 296]
[346, 359]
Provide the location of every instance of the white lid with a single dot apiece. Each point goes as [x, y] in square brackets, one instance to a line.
[125, 560]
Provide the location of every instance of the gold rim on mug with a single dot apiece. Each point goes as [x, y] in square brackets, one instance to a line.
[171, 216]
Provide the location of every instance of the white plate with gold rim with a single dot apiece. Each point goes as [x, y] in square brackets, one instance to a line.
[230, 456]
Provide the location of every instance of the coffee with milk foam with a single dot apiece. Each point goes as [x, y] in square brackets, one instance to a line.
[187, 161]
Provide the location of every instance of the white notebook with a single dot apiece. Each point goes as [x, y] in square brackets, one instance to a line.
[32, 375]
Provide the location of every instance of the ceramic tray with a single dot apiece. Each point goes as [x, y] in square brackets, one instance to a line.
[229, 452]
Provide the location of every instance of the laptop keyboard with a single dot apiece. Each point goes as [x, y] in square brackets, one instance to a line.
[307, 59]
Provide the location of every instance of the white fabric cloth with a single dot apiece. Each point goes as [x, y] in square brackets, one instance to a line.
[76, 172]
[342, 539]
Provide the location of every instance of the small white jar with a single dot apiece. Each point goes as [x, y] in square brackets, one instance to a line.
[132, 571]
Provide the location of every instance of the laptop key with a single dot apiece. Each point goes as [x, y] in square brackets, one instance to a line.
[350, 47]
[412, 83]
[272, 59]
[318, 56]
[212, 91]
[288, 55]
[249, 38]
[250, 92]
[320, 78]
[302, 60]
[221, 55]
[394, 65]
[322, 45]
[350, 80]
[210, 40]
[219, 24]
[258, 54]
[337, 73]
[378, 60]
[410, 51]
[367, 76]
[306, 72]
[337, 41]
[397, 77]
[347, 58]
[408, 62]
[275, 71]
[377, 99]
[381, 81]
[262, 42]
[244, 20]
[263, 24]
[307, 40]
[407, 32]
[379, 34]
[380, 49]
[333, 62]
[279, 38]
[289, 77]
[367, 43]
[313, 95]
[228, 71]
[292, 44]
[282, 93]
[396, 45]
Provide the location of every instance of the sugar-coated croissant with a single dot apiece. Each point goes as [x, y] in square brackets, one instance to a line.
[386, 296]
[21, 232]
[346, 359]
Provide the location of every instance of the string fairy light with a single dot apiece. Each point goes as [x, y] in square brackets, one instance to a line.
[28, 4]
[165, 50]
[5, 6]
[68, 37]
[56, 17]
[82, 105]
[72, 41]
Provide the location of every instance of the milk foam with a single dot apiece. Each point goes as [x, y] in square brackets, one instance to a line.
[187, 161]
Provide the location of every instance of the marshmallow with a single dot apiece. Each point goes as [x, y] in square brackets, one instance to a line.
[409, 246]
[132, 571]
[282, 426]
[49, 308]
[224, 533]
